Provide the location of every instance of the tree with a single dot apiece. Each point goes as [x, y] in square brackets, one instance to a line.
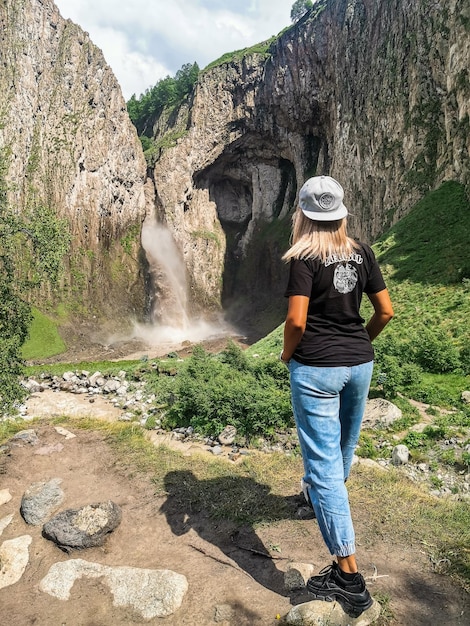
[32, 246]
[167, 92]
[299, 9]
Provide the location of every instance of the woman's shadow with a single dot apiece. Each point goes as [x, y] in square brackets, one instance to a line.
[222, 511]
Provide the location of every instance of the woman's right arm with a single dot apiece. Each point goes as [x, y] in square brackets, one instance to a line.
[383, 313]
[294, 326]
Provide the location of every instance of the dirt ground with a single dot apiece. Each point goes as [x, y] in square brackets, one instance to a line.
[221, 561]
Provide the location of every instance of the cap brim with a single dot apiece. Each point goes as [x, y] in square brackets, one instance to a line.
[326, 216]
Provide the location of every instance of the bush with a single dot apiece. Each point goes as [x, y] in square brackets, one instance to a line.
[435, 352]
[213, 392]
[465, 359]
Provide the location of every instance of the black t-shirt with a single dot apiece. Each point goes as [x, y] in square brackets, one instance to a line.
[335, 334]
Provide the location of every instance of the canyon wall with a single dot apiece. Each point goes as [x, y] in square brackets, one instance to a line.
[69, 144]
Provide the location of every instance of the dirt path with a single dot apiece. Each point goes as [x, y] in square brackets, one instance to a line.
[161, 533]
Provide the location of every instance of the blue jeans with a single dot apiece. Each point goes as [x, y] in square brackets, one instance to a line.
[328, 405]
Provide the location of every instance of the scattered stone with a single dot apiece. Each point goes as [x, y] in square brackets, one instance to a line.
[227, 436]
[111, 386]
[97, 380]
[32, 385]
[297, 574]
[153, 593]
[63, 431]
[86, 527]
[371, 463]
[465, 397]
[5, 496]
[400, 455]
[50, 449]
[217, 450]
[25, 436]
[380, 412]
[14, 557]
[40, 500]
[5, 521]
[319, 613]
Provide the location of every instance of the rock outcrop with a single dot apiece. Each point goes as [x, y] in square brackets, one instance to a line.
[68, 143]
[374, 93]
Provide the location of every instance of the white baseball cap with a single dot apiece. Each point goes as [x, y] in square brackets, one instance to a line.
[321, 199]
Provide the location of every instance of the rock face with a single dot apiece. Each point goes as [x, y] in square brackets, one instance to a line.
[375, 93]
[68, 144]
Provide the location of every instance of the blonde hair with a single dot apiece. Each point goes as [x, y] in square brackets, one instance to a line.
[312, 239]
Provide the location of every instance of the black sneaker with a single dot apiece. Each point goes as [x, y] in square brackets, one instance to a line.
[329, 585]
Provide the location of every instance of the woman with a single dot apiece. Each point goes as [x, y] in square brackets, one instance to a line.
[330, 358]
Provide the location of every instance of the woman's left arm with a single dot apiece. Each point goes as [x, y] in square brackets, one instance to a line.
[294, 326]
[383, 313]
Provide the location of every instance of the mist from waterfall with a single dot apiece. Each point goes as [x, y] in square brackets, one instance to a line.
[170, 320]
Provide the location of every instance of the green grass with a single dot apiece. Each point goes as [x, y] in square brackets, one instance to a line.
[429, 246]
[237, 55]
[44, 339]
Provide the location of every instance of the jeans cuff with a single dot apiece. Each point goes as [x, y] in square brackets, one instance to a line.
[346, 550]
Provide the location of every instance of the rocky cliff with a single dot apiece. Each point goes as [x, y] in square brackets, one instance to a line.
[374, 92]
[70, 145]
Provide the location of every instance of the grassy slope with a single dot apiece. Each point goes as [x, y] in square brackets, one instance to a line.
[44, 340]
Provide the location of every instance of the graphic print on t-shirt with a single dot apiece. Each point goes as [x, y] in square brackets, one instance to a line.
[345, 278]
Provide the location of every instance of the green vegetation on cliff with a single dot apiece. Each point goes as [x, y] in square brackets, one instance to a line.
[168, 92]
[32, 246]
[238, 55]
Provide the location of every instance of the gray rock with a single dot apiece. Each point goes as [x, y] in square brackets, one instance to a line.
[32, 385]
[319, 613]
[40, 500]
[111, 385]
[25, 436]
[216, 450]
[465, 397]
[296, 575]
[152, 593]
[380, 412]
[86, 527]
[400, 455]
[227, 436]
[93, 379]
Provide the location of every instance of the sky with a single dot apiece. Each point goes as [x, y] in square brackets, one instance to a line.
[146, 40]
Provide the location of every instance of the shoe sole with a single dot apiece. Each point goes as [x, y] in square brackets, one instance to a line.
[353, 610]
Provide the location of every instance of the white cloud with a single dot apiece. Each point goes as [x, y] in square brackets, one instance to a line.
[145, 40]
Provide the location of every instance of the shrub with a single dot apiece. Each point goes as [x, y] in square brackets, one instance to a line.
[366, 448]
[213, 392]
[465, 358]
[435, 352]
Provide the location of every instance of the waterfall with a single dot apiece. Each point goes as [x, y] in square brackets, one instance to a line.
[169, 304]
[170, 320]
